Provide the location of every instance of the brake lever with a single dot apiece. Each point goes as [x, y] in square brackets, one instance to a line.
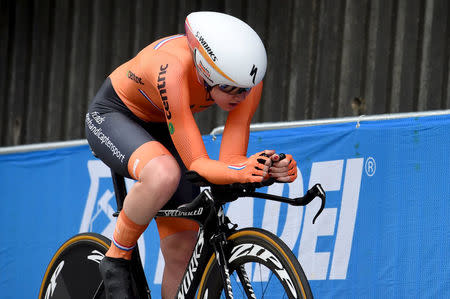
[321, 194]
[315, 191]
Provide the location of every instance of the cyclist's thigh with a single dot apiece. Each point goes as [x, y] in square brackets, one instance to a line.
[114, 133]
[186, 190]
[114, 139]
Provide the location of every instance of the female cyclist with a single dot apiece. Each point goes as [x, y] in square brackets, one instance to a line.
[141, 124]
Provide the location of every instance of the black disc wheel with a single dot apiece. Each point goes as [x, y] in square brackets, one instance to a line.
[73, 271]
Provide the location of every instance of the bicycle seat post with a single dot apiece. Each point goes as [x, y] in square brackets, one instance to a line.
[120, 189]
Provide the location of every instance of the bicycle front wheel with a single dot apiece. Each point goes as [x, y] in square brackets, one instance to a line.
[261, 266]
[73, 271]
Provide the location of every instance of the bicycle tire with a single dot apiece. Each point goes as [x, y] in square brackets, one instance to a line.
[73, 270]
[264, 252]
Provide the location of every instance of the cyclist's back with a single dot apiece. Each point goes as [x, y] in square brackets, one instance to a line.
[141, 83]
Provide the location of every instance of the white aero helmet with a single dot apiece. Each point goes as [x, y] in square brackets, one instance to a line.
[226, 50]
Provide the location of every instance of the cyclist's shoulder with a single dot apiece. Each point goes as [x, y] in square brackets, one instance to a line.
[172, 49]
[170, 43]
[168, 57]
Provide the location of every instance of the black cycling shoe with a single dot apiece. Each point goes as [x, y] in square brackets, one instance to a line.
[116, 277]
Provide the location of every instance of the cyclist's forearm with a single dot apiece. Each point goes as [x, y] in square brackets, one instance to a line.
[233, 159]
[216, 172]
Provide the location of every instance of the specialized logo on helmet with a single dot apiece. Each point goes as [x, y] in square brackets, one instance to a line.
[253, 73]
[198, 43]
[206, 46]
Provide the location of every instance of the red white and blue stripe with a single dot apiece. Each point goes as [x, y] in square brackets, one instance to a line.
[125, 248]
[237, 167]
[148, 99]
[163, 41]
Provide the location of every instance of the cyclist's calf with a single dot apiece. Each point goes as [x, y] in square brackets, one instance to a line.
[177, 250]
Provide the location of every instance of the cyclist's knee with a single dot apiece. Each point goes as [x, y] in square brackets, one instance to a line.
[162, 171]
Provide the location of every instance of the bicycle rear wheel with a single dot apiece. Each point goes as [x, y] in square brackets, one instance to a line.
[73, 271]
[261, 266]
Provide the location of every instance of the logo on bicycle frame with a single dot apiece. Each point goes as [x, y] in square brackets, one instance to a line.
[192, 268]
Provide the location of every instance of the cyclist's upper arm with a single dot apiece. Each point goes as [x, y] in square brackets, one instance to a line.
[237, 128]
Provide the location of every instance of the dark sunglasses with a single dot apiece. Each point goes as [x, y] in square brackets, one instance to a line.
[233, 89]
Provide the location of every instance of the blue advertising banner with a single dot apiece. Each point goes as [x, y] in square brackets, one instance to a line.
[385, 231]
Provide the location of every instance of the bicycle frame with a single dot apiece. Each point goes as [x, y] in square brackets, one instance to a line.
[212, 235]
[206, 244]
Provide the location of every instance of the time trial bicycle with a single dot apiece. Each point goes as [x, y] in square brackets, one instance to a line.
[226, 262]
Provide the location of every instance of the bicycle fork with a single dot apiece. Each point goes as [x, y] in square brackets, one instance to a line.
[218, 241]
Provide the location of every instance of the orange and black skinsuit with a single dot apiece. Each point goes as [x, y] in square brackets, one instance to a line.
[145, 109]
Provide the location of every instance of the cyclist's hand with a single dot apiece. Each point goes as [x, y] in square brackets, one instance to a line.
[257, 167]
[284, 170]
